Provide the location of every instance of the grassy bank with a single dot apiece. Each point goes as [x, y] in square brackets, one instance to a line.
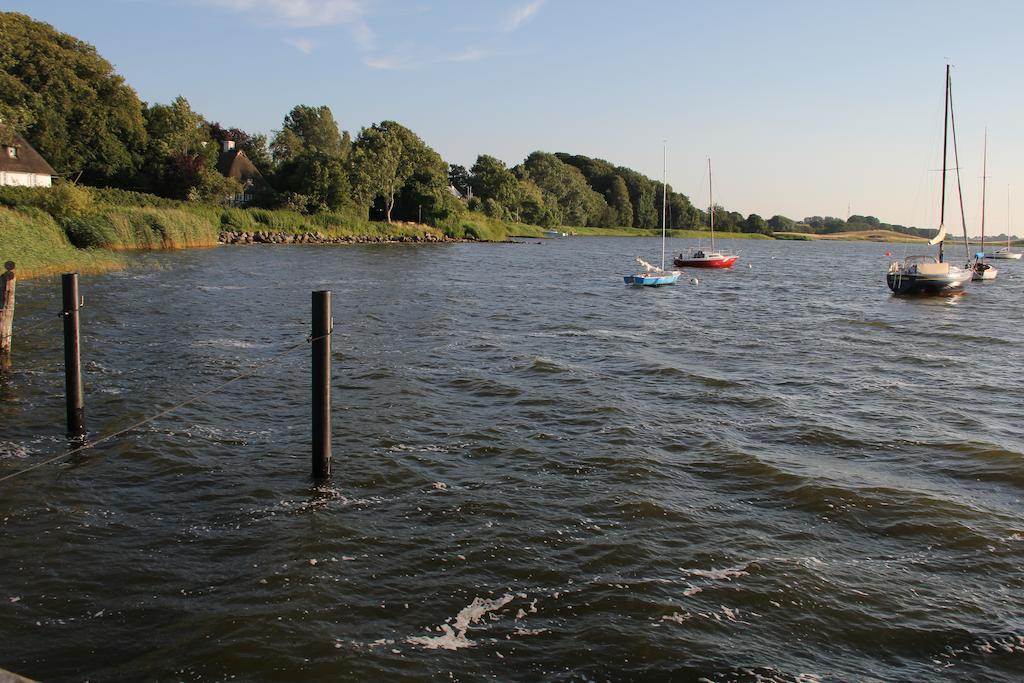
[64, 228]
[38, 245]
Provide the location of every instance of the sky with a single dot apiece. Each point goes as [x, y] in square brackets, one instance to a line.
[804, 107]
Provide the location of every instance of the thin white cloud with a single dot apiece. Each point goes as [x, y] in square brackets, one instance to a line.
[303, 45]
[470, 55]
[388, 62]
[298, 13]
[522, 14]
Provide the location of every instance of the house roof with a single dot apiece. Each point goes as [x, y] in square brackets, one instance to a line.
[233, 163]
[28, 159]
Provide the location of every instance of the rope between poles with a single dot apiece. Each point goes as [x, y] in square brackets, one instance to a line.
[162, 413]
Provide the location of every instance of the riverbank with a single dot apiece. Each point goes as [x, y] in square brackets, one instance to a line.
[68, 228]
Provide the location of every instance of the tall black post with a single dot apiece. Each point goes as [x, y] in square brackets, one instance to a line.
[321, 384]
[72, 356]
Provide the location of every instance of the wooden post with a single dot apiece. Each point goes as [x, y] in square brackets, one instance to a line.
[7, 282]
[321, 384]
[72, 358]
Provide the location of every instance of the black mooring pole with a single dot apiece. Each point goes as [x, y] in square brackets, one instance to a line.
[321, 384]
[72, 357]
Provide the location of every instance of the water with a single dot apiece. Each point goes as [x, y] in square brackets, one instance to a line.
[782, 473]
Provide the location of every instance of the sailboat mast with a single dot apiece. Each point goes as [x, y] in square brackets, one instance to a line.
[956, 162]
[984, 178]
[711, 197]
[945, 137]
[664, 199]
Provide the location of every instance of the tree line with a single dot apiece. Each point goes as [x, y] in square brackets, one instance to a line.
[90, 125]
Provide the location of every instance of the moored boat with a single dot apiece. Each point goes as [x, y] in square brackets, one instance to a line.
[925, 275]
[698, 257]
[652, 275]
[1006, 252]
[980, 268]
[922, 274]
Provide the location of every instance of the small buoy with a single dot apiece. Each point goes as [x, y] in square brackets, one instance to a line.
[693, 280]
[888, 253]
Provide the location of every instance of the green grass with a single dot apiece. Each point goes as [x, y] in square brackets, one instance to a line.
[32, 239]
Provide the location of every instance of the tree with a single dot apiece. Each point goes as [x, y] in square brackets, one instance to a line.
[574, 201]
[68, 102]
[317, 130]
[756, 224]
[779, 223]
[617, 197]
[179, 148]
[322, 180]
[641, 196]
[458, 177]
[490, 179]
[385, 157]
[310, 155]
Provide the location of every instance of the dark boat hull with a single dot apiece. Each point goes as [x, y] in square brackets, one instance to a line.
[903, 283]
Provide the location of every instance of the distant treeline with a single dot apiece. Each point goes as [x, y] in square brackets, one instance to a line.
[827, 225]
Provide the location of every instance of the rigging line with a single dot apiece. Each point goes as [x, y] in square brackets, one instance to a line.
[167, 411]
[956, 162]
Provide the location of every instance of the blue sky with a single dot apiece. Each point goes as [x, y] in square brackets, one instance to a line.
[806, 108]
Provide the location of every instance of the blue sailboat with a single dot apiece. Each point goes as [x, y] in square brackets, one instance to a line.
[652, 275]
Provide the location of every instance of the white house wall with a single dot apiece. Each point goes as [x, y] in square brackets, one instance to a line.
[24, 179]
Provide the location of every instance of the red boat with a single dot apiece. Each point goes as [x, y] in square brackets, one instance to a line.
[698, 257]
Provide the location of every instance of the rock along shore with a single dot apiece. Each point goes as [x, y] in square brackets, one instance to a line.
[265, 237]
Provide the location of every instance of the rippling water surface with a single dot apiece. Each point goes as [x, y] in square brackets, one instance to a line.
[782, 473]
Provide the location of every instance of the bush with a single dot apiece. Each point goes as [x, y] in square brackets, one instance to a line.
[65, 200]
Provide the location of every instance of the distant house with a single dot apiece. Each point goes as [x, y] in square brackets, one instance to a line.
[20, 164]
[233, 163]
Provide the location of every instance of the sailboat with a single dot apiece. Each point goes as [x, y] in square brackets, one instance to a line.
[702, 258]
[1006, 252]
[982, 270]
[928, 274]
[652, 275]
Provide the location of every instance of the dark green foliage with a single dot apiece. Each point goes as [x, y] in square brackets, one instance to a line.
[617, 197]
[641, 196]
[779, 223]
[387, 156]
[490, 179]
[756, 224]
[458, 177]
[320, 178]
[316, 131]
[575, 203]
[311, 156]
[68, 102]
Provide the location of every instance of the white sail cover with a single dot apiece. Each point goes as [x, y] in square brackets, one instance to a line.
[939, 237]
[648, 266]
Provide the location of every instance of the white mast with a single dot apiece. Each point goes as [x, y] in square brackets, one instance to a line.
[711, 196]
[984, 168]
[664, 197]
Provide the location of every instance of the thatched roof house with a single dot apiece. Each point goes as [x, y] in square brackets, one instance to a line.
[20, 164]
[233, 163]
